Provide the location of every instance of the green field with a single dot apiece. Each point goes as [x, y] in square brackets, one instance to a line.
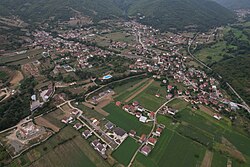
[24, 58]
[219, 160]
[172, 150]
[3, 75]
[127, 90]
[178, 104]
[66, 148]
[148, 99]
[126, 121]
[128, 148]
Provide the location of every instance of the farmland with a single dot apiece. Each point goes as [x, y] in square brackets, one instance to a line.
[172, 150]
[125, 120]
[15, 59]
[148, 99]
[128, 148]
[66, 148]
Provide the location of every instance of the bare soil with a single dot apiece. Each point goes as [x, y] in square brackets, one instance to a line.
[44, 122]
[207, 160]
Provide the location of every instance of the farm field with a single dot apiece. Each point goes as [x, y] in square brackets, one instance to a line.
[128, 148]
[15, 59]
[206, 128]
[219, 160]
[214, 52]
[126, 121]
[132, 83]
[172, 150]
[178, 104]
[66, 148]
[148, 99]
[126, 91]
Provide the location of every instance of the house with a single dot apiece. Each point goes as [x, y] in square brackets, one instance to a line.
[118, 103]
[135, 103]
[75, 112]
[67, 120]
[138, 115]
[109, 125]
[158, 131]
[143, 119]
[100, 148]
[170, 87]
[126, 107]
[142, 138]
[217, 116]
[86, 134]
[120, 133]
[172, 111]
[140, 109]
[132, 133]
[151, 115]
[146, 150]
[77, 126]
[95, 143]
[152, 141]
[179, 92]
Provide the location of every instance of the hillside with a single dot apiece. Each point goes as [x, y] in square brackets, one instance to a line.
[234, 4]
[60, 9]
[165, 14]
[162, 14]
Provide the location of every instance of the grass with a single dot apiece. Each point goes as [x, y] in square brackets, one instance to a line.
[173, 150]
[3, 75]
[219, 160]
[130, 85]
[178, 104]
[148, 99]
[125, 120]
[126, 93]
[214, 51]
[128, 148]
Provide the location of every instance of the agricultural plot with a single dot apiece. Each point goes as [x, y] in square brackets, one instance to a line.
[126, 121]
[172, 150]
[66, 148]
[15, 59]
[128, 148]
[178, 104]
[128, 90]
[148, 99]
[219, 160]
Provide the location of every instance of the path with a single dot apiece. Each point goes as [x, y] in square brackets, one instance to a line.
[138, 92]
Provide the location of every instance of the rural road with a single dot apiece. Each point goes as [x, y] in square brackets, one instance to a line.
[152, 130]
[204, 65]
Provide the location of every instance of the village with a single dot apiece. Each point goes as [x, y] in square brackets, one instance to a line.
[160, 59]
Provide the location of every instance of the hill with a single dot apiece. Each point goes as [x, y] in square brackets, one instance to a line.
[39, 10]
[165, 14]
[162, 14]
[234, 4]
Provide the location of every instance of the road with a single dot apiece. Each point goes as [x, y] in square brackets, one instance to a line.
[244, 104]
[152, 130]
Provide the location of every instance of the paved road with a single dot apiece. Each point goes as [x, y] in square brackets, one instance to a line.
[152, 130]
[244, 104]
